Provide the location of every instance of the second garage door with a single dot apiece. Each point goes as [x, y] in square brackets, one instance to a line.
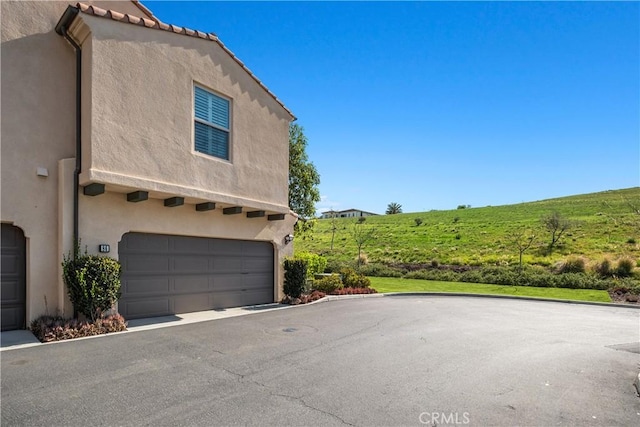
[164, 274]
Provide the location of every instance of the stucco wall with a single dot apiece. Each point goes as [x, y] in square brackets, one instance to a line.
[141, 119]
[37, 130]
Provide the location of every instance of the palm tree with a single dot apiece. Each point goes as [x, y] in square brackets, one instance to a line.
[394, 208]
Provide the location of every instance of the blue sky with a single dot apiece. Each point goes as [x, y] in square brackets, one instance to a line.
[437, 104]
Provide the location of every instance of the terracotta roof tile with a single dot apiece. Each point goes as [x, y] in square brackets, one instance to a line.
[158, 25]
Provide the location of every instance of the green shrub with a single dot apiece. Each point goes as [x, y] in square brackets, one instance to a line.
[316, 264]
[513, 276]
[625, 267]
[418, 221]
[295, 277]
[334, 266]
[572, 265]
[631, 241]
[93, 283]
[351, 279]
[381, 270]
[603, 268]
[328, 284]
[432, 274]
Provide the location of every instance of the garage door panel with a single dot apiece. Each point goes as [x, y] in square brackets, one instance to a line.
[146, 285]
[194, 283]
[13, 283]
[257, 264]
[227, 247]
[191, 302]
[158, 306]
[190, 264]
[181, 244]
[224, 264]
[11, 317]
[193, 274]
[257, 249]
[245, 282]
[240, 298]
[10, 264]
[152, 263]
[9, 238]
[227, 282]
[145, 242]
[10, 291]
[255, 281]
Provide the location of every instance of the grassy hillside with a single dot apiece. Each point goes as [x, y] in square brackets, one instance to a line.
[605, 225]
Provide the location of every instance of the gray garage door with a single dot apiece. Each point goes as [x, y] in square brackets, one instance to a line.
[164, 274]
[13, 285]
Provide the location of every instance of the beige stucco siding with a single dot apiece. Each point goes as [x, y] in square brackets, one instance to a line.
[38, 100]
[141, 119]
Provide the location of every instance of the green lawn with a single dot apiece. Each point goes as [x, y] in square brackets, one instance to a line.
[391, 284]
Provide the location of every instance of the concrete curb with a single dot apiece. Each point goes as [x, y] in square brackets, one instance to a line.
[461, 294]
[514, 297]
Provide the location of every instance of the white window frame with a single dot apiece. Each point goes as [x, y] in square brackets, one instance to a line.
[213, 125]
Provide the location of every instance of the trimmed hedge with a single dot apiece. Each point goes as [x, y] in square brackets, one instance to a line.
[328, 284]
[352, 279]
[93, 283]
[295, 277]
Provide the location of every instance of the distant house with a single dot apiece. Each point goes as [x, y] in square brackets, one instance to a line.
[349, 213]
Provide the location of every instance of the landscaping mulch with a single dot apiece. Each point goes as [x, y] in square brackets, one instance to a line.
[623, 296]
[56, 328]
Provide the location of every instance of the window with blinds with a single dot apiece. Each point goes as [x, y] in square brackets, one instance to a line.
[211, 123]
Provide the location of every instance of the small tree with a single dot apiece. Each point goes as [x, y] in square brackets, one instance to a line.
[361, 235]
[303, 180]
[394, 208]
[418, 221]
[557, 225]
[522, 240]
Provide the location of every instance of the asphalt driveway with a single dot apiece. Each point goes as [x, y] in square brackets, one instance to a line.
[375, 361]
